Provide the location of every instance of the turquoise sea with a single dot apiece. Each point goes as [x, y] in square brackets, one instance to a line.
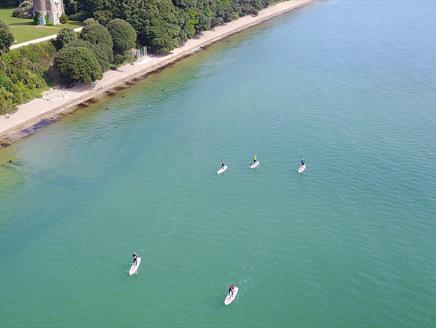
[350, 86]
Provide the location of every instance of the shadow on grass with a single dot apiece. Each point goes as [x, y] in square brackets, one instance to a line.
[22, 24]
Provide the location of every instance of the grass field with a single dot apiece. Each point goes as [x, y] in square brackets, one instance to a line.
[23, 30]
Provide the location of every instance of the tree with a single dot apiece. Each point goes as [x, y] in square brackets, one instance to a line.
[155, 22]
[96, 34]
[123, 35]
[70, 7]
[89, 21]
[65, 36]
[101, 51]
[104, 55]
[188, 21]
[78, 64]
[134, 12]
[103, 16]
[63, 19]
[6, 100]
[100, 39]
[6, 38]
[161, 28]
[24, 10]
[105, 10]
[205, 18]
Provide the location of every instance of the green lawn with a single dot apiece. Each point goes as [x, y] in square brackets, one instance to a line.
[23, 30]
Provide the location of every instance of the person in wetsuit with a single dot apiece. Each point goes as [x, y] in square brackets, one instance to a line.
[231, 288]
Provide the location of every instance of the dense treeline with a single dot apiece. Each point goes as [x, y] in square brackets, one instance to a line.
[85, 57]
[23, 74]
[162, 25]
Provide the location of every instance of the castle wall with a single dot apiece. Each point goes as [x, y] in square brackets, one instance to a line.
[53, 8]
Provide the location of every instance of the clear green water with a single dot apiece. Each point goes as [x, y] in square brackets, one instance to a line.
[348, 85]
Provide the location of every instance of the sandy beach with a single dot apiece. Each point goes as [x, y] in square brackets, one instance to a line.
[58, 101]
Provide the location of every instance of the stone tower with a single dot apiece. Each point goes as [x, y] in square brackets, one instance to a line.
[49, 11]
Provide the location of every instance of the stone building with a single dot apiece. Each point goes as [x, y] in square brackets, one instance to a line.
[48, 11]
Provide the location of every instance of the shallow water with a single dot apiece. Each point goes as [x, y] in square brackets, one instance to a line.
[349, 86]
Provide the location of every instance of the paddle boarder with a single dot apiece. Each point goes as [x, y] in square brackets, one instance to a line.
[231, 288]
[134, 258]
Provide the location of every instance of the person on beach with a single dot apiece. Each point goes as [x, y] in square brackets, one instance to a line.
[231, 288]
[134, 259]
[222, 163]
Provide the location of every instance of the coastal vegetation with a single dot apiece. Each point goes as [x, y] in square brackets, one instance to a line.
[78, 63]
[85, 58]
[96, 33]
[6, 38]
[123, 38]
[162, 25]
[23, 74]
[111, 30]
[64, 37]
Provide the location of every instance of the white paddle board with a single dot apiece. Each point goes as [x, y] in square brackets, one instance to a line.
[254, 165]
[222, 169]
[231, 297]
[134, 268]
[302, 168]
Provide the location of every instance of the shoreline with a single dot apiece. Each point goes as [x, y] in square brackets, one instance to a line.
[58, 102]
